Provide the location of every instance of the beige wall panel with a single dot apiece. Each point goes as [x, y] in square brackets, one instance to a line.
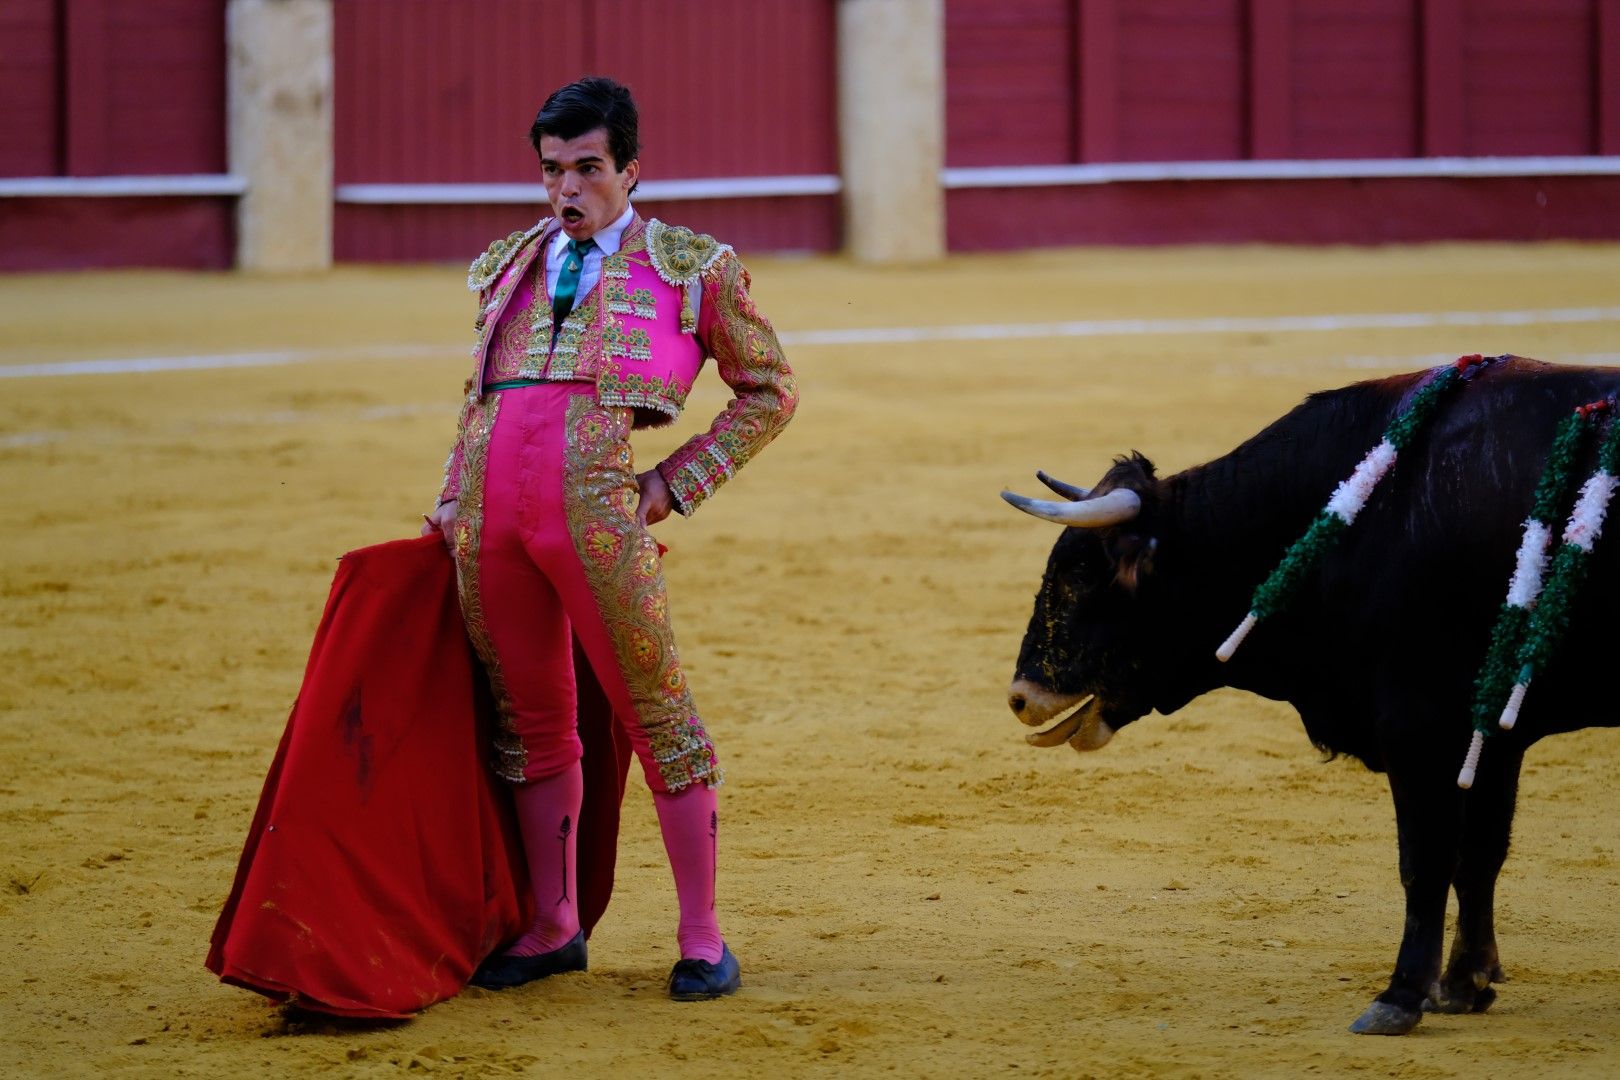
[891, 103]
[280, 89]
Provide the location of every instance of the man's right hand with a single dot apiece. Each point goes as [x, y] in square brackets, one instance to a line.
[442, 521]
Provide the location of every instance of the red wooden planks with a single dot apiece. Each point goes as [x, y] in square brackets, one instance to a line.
[1291, 212]
[1271, 78]
[727, 87]
[1354, 79]
[432, 91]
[1097, 80]
[30, 98]
[1527, 77]
[439, 91]
[1607, 118]
[145, 87]
[1009, 88]
[82, 234]
[1182, 80]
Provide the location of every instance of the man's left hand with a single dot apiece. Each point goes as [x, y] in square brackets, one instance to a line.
[656, 501]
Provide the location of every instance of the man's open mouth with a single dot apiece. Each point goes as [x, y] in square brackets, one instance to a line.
[573, 215]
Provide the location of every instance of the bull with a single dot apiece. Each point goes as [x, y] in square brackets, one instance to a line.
[1377, 653]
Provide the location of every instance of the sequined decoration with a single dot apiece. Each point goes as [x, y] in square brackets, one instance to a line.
[637, 344]
[623, 570]
[614, 292]
[667, 396]
[571, 340]
[679, 254]
[643, 304]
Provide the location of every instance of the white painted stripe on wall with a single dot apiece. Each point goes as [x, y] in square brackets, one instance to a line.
[830, 184]
[47, 187]
[740, 187]
[888, 335]
[1326, 169]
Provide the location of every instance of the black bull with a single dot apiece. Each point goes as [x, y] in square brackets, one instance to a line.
[1378, 651]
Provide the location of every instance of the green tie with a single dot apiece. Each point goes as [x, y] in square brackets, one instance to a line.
[562, 301]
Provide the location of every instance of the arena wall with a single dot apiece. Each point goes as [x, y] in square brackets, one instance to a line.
[92, 92]
[431, 97]
[1404, 120]
[1065, 121]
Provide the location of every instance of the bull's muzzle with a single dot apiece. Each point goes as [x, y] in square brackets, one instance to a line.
[1083, 728]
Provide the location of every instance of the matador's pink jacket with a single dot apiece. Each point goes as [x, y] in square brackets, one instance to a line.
[635, 336]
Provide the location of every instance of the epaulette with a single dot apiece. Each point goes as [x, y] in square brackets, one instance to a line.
[679, 254]
[488, 266]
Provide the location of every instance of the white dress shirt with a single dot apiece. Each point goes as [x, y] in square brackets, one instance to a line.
[607, 243]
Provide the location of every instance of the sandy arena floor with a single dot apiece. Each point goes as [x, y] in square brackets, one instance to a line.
[912, 889]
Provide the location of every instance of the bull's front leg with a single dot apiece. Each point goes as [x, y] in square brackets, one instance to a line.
[1487, 825]
[1428, 819]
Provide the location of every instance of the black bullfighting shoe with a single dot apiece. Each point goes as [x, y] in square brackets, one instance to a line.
[502, 972]
[699, 980]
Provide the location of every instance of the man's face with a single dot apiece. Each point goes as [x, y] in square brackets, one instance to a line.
[586, 193]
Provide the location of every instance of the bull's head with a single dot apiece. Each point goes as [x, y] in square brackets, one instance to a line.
[1090, 638]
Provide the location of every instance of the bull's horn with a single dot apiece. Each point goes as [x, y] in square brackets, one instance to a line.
[1068, 491]
[1119, 505]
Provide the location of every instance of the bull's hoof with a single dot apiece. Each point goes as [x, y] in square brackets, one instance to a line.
[1467, 999]
[1382, 1018]
[1462, 991]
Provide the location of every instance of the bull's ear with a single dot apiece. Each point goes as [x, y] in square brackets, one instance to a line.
[1132, 555]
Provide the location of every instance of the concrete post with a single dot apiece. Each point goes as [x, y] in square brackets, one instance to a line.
[891, 121]
[280, 115]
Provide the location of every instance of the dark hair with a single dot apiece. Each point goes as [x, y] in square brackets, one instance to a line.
[586, 105]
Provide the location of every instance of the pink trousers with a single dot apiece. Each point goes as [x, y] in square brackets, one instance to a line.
[548, 549]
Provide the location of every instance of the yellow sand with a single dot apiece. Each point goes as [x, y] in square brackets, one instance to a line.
[912, 890]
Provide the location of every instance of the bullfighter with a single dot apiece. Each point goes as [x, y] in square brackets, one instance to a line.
[591, 324]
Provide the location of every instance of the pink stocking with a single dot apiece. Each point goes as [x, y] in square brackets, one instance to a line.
[690, 823]
[548, 818]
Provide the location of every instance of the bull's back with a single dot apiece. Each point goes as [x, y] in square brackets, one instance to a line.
[1474, 471]
[1431, 561]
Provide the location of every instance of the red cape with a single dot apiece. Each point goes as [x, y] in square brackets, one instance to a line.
[383, 863]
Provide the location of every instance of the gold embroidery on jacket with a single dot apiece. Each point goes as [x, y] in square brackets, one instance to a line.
[512, 342]
[749, 358]
[489, 266]
[571, 345]
[679, 254]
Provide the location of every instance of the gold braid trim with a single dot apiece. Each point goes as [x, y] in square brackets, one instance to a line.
[749, 358]
[510, 757]
[495, 259]
[622, 567]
